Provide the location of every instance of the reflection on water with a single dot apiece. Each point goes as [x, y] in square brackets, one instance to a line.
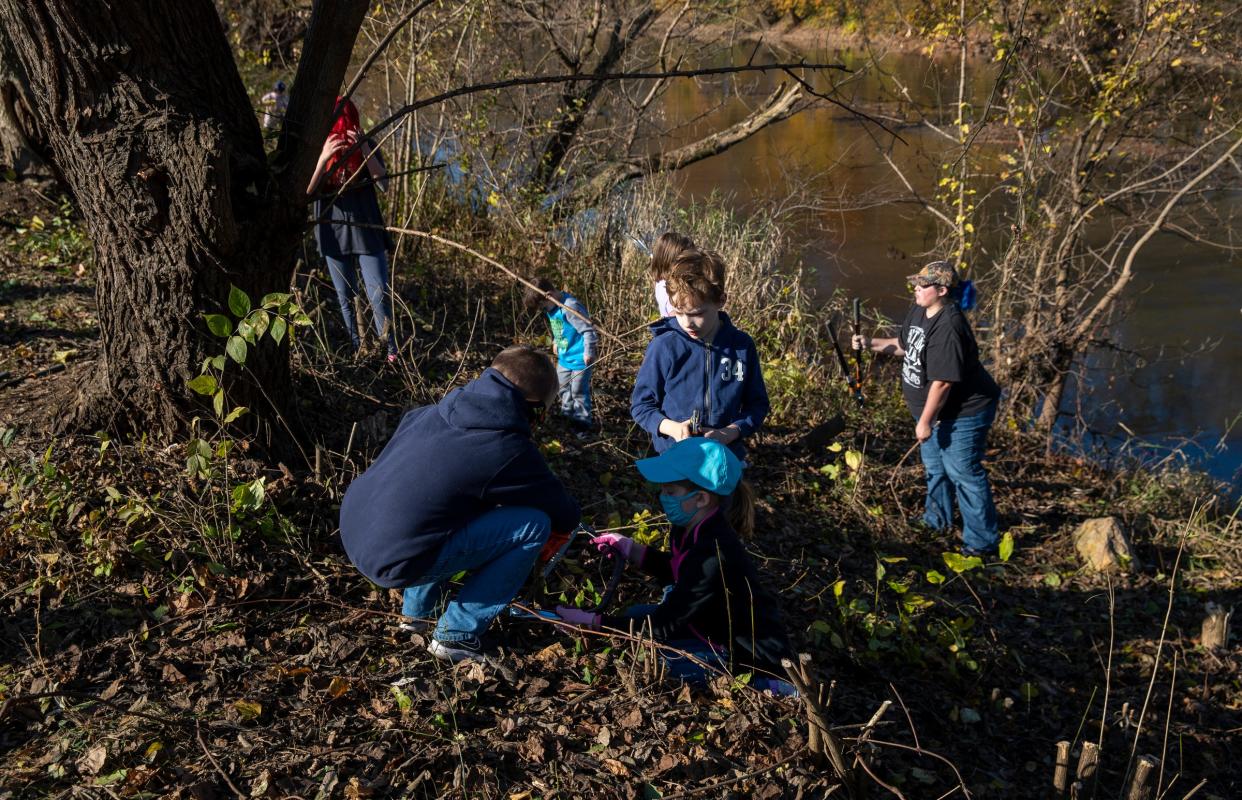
[1184, 295]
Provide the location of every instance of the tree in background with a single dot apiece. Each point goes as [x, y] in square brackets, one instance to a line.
[1105, 125]
[139, 107]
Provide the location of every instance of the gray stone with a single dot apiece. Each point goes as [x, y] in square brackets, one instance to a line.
[1104, 546]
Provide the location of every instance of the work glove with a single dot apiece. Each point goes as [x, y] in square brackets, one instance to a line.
[578, 617]
[632, 550]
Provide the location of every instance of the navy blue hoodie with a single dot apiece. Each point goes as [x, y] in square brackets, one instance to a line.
[446, 465]
[680, 375]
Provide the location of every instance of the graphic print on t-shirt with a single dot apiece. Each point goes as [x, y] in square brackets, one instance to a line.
[559, 335]
[912, 365]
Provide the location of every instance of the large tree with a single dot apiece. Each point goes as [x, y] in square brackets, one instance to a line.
[139, 106]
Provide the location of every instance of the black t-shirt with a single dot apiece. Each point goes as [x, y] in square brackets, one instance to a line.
[943, 348]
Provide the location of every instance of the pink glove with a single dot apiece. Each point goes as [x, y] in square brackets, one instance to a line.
[632, 550]
[578, 617]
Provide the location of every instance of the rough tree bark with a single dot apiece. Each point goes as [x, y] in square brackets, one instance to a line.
[17, 152]
[139, 106]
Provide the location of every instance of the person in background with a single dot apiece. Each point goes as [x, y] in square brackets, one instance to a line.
[953, 400]
[575, 343]
[714, 607]
[345, 176]
[667, 249]
[275, 106]
[461, 486]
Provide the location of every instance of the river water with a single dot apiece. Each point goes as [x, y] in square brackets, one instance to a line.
[1180, 386]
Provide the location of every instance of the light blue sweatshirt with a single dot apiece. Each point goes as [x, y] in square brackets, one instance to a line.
[574, 335]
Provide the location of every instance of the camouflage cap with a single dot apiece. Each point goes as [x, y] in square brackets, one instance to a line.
[939, 273]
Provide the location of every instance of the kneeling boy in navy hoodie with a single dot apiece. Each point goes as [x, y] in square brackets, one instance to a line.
[700, 375]
[461, 486]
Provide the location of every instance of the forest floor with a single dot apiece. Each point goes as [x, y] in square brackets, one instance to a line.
[165, 636]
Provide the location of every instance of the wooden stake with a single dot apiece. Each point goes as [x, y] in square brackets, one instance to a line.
[1088, 761]
[1060, 773]
[828, 742]
[1215, 633]
[1140, 788]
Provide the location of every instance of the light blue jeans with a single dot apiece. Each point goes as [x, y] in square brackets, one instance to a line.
[497, 549]
[953, 459]
[575, 393]
[374, 267]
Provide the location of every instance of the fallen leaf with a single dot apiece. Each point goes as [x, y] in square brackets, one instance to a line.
[551, 654]
[616, 767]
[634, 719]
[153, 751]
[172, 675]
[93, 761]
[338, 687]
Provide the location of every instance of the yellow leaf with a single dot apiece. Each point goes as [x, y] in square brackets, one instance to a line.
[338, 687]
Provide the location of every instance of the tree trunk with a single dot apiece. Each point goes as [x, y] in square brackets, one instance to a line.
[141, 109]
[17, 153]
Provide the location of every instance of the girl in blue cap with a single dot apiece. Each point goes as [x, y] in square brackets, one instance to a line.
[714, 606]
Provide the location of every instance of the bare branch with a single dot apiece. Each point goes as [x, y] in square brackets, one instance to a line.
[1101, 306]
[536, 80]
[383, 45]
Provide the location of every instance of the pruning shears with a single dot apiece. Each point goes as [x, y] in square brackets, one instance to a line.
[559, 548]
[858, 353]
[853, 379]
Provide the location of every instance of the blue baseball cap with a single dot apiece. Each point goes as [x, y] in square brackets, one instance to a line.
[703, 462]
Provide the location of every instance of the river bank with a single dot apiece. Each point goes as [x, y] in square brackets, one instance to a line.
[177, 636]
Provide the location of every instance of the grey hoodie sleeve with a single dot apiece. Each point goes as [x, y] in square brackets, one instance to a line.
[583, 325]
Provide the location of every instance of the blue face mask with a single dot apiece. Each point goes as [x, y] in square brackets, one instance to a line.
[673, 510]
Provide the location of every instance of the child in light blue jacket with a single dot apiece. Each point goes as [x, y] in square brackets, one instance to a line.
[575, 343]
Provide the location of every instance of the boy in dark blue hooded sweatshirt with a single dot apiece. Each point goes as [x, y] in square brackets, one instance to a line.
[462, 487]
[700, 375]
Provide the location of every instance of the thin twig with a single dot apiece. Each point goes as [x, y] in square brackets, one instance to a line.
[1164, 630]
[738, 779]
[198, 733]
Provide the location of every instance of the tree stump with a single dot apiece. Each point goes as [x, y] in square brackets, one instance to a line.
[1103, 546]
[1060, 772]
[1140, 783]
[1215, 633]
[1088, 763]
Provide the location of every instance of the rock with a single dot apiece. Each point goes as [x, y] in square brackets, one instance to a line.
[1103, 545]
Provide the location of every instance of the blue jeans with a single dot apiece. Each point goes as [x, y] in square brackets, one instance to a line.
[498, 549]
[697, 674]
[953, 459]
[374, 268]
[575, 393]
